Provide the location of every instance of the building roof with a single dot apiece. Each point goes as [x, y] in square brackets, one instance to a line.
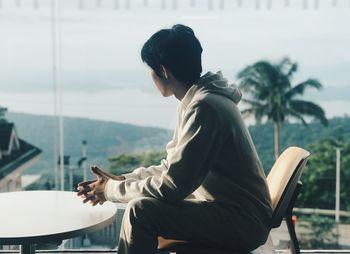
[17, 158]
[5, 134]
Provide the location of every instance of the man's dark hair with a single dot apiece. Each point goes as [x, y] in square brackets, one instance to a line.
[178, 50]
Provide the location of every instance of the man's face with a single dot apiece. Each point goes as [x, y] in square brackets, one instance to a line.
[163, 84]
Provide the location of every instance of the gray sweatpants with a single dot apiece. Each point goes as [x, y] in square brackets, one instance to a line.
[203, 223]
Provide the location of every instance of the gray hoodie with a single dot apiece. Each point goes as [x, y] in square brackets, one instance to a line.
[210, 158]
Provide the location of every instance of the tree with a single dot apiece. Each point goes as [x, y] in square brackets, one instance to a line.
[2, 113]
[318, 232]
[125, 163]
[319, 176]
[269, 94]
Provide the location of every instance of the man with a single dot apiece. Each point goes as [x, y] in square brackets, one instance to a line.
[211, 189]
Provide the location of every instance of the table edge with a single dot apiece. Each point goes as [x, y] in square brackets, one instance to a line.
[58, 237]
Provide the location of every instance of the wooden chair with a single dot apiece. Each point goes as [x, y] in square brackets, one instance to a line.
[284, 185]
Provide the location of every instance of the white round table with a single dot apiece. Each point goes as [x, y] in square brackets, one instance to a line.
[29, 217]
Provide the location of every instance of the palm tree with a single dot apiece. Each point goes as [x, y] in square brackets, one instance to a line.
[270, 95]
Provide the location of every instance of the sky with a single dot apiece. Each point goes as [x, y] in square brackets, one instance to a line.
[104, 77]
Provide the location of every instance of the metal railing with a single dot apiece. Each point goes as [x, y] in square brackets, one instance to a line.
[320, 211]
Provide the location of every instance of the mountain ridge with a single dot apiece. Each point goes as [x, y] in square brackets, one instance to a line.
[104, 138]
[108, 139]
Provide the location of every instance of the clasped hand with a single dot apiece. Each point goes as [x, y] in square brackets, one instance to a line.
[93, 190]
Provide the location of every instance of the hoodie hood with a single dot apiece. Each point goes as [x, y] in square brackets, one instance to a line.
[217, 84]
[213, 83]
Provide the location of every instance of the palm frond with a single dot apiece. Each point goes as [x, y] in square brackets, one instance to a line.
[249, 83]
[253, 103]
[265, 77]
[243, 73]
[285, 61]
[293, 68]
[310, 109]
[261, 111]
[255, 82]
[277, 113]
[300, 88]
[269, 92]
[288, 67]
[267, 71]
[283, 83]
[297, 115]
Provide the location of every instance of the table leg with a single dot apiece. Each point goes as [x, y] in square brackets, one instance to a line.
[27, 249]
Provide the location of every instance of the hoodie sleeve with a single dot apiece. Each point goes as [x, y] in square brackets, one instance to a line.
[142, 172]
[188, 164]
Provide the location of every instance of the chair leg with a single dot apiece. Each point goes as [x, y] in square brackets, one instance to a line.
[295, 249]
[294, 240]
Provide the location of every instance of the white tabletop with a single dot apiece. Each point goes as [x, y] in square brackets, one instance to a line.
[42, 216]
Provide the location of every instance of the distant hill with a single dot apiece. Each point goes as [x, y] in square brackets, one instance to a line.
[107, 139]
[295, 134]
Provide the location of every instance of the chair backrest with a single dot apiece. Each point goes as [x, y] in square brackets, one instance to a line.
[282, 180]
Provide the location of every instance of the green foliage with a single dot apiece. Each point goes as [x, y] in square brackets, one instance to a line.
[2, 113]
[319, 176]
[294, 134]
[268, 92]
[318, 232]
[127, 162]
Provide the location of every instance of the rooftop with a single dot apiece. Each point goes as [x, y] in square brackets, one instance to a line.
[18, 157]
[17, 151]
[5, 134]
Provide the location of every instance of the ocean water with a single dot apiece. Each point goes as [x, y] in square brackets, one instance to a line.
[132, 105]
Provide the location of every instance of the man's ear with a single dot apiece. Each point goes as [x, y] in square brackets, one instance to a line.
[165, 72]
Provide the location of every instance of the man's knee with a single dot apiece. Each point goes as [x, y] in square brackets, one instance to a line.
[139, 209]
[138, 229]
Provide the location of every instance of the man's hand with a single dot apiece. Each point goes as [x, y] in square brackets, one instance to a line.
[113, 177]
[93, 191]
